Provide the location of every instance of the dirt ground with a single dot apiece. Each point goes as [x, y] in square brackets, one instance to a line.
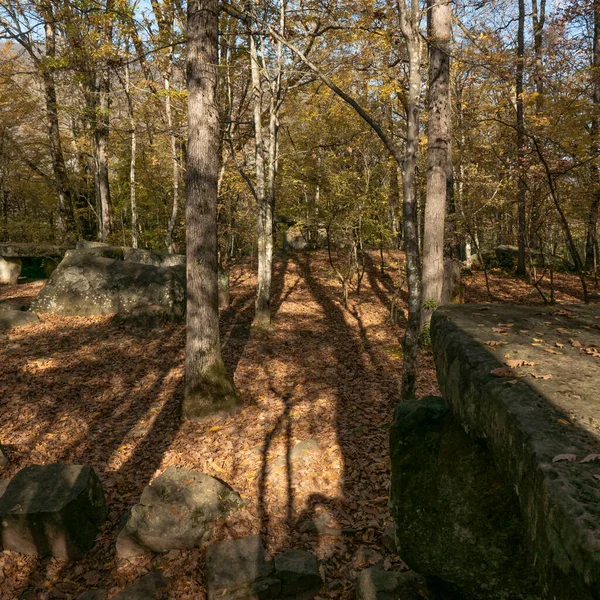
[81, 390]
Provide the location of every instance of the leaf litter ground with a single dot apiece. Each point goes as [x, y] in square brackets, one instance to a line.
[308, 450]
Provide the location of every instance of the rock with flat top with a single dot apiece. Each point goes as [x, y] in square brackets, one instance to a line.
[86, 285]
[53, 510]
[157, 259]
[177, 510]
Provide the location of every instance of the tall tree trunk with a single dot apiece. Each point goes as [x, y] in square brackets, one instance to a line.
[174, 161]
[65, 219]
[521, 188]
[101, 154]
[208, 388]
[411, 33]
[263, 301]
[438, 156]
[591, 242]
[134, 219]
[538, 18]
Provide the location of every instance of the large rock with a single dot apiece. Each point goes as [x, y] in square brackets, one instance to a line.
[105, 250]
[52, 510]
[177, 510]
[239, 570]
[9, 250]
[524, 382]
[294, 239]
[456, 521]
[158, 259]
[15, 318]
[86, 285]
[10, 269]
[376, 584]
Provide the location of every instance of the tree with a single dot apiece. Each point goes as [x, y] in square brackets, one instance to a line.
[208, 387]
[438, 155]
[521, 184]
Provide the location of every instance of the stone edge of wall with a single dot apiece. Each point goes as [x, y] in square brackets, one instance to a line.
[522, 433]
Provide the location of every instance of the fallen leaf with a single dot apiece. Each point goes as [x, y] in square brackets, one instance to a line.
[536, 376]
[575, 343]
[559, 345]
[590, 458]
[503, 372]
[550, 351]
[564, 458]
[494, 343]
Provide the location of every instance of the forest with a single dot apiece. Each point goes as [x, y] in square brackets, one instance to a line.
[238, 241]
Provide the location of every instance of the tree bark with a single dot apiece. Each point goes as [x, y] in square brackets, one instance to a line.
[521, 188]
[263, 304]
[410, 29]
[101, 133]
[208, 387]
[438, 156]
[66, 221]
[132, 173]
[174, 161]
[591, 242]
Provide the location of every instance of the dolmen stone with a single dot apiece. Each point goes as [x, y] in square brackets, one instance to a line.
[177, 510]
[157, 259]
[377, 584]
[240, 569]
[12, 255]
[85, 284]
[53, 510]
[523, 381]
[15, 318]
[456, 522]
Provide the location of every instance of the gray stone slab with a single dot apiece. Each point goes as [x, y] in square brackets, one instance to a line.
[52, 510]
[31, 250]
[86, 285]
[532, 417]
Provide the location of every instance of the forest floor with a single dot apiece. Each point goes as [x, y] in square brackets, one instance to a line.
[82, 390]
